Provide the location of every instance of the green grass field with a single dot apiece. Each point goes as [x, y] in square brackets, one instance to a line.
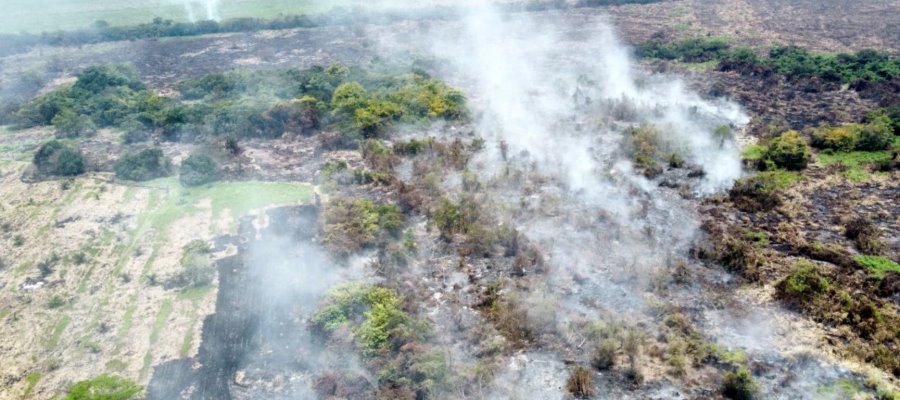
[35, 16]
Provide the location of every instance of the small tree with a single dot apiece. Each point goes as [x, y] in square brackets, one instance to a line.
[197, 170]
[789, 151]
[723, 133]
[145, 165]
[56, 158]
[876, 135]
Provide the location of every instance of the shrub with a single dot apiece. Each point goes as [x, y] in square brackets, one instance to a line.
[351, 224]
[789, 151]
[197, 170]
[197, 268]
[581, 383]
[349, 97]
[70, 124]
[865, 234]
[99, 78]
[56, 158]
[876, 135]
[804, 281]
[55, 302]
[760, 192]
[739, 385]
[840, 138]
[605, 354]
[144, 165]
[644, 150]
[104, 387]
[374, 314]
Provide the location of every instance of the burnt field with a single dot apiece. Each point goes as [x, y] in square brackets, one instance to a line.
[490, 205]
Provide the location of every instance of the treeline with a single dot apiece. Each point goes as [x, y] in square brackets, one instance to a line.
[102, 31]
[789, 61]
[244, 104]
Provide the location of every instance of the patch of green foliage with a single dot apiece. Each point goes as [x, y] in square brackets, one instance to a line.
[373, 313]
[692, 50]
[789, 150]
[856, 162]
[30, 382]
[244, 103]
[197, 269]
[104, 387]
[790, 61]
[59, 159]
[351, 224]
[759, 238]
[102, 96]
[142, 166]
[878, 266]
[761, 192]
[739, 385]
[197, 169]
[644, 149]
[806, 280]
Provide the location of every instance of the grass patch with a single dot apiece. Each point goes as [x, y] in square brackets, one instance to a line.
[30, 382]
[160, 321]
[840, 389]
[58, 330]
[128, 319]
[856, 162]
[238, 198]
[878, 266]
[702, 66]
[779, 179]
[753, 152]
[194, 293]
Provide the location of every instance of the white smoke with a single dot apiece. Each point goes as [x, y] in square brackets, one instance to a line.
[208, 7]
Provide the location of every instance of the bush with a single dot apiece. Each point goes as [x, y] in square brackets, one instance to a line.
[104, 387]
[352, 224]
[840, 138]
[197, 268]
[580, 383]
[373, 313]
[145, 165]
[70, 124]
[788, 151]
[804, 281]
[197, 170]
[761, 192]
[865, 234]
[739, 385]
[605, 355]
[56, 158]
[644, 148]
[876, 135]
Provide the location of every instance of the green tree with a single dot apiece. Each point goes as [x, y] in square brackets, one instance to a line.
[145, 165]
[789, 151]
[197, 170]
[56, 158]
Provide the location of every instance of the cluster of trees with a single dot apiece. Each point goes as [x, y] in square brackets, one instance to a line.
[244, 104]
[102, 96]
[790, 61]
